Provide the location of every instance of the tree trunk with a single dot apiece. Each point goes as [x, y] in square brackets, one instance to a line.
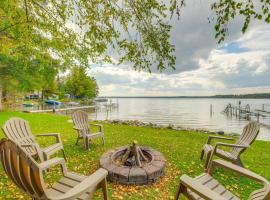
[1, 99]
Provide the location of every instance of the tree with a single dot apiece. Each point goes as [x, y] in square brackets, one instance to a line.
[24, 73]
[78, 32]
[225, 11]
[32, 28]
[79, 85]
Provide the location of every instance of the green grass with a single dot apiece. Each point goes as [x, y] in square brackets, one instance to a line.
[180, 148]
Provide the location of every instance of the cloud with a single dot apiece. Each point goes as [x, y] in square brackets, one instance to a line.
[241, 65]
[194, 36]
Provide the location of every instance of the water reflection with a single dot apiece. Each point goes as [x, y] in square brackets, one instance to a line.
[187, 112]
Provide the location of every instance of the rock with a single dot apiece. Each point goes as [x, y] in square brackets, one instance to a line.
[170, 126]
[159, 126]
[220, 133]
[233, 134]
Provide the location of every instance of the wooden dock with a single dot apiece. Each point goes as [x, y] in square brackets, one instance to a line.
[59, 109]
[262, 111]
[265, 125]
[244, 111]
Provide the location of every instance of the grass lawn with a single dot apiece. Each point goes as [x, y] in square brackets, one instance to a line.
[180, 148]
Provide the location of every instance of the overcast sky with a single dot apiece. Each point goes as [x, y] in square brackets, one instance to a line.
[239, 65]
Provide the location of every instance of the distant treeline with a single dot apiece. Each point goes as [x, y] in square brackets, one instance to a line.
[245, 96]
[233, 96]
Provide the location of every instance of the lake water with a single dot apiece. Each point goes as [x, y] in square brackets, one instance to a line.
[186, 112]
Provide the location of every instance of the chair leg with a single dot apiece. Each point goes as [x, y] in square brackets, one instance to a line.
[86, 143]
[78, 138]
[202, 154]
[105, 189]
[64, 154]
[103, 141]
[209, 157]
[46, 157]
[179, 191]
[239, 162]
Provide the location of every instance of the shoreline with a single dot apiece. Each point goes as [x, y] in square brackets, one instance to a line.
[169, 126]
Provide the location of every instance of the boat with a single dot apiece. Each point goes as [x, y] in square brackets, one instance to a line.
[101, 100]
[28, 104]
[53, 102]
[73, 103]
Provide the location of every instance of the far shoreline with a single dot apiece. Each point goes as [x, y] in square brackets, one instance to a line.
[180, 97]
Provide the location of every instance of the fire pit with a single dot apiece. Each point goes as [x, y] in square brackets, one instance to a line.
[133, 164]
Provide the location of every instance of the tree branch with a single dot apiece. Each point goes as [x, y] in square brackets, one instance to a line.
[26, 10]
[18, 23]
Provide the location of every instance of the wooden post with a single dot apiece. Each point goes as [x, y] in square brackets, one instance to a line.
[239, 107]
[211, 110]
[1, 96]
[96, 111]
[263, 107]
[258, 117]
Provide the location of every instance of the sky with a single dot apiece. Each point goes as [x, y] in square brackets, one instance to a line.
[239, 65]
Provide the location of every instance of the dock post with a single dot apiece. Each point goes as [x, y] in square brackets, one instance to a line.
[211, 109]
[263, 107]
[96, 111]
[239, 103]
[258, 117]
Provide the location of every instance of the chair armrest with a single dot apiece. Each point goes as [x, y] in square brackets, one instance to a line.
[92, 180]
[230, 145]
[210, 137]
[37, 148]
[199, 189]
[240, 170]
[53, 162]
[98, 125]
[29, 145]
[56, 135]
[77, 128]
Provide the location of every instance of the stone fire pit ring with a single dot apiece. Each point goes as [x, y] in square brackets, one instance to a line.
[146, 174]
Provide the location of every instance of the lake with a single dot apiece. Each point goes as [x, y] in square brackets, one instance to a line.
[186, 112]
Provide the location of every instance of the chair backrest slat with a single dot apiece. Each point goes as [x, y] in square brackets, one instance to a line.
[25, 175]
[80, 120]
[21, 168]
[16, 169]
[18, 130]
[249, 135]
[6, 163]
[36, 182]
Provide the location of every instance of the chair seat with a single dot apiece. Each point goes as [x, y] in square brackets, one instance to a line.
[224, 154]
[209, 182]
[52, 148]
[68, 182]
[94, 135]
